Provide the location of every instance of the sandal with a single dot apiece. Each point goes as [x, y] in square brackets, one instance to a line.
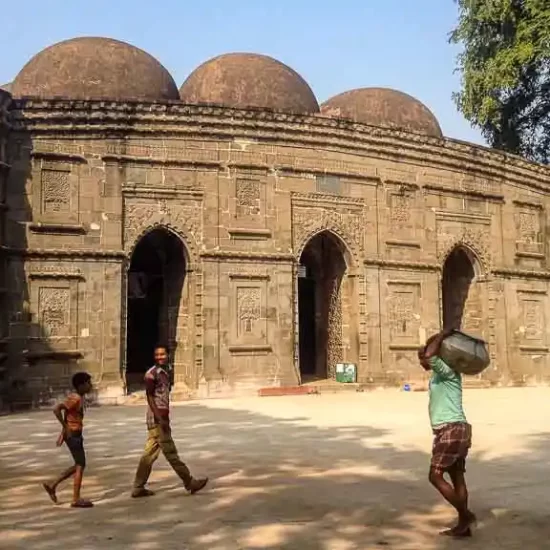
[81, 503]
[51, 492]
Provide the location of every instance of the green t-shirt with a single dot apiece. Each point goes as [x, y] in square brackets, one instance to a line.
[445, 394]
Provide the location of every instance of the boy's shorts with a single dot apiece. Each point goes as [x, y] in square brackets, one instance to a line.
[75, 442]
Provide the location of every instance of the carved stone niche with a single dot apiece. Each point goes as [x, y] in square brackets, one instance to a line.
[54, 308]
[249, 194]
[402, 219]
[403, 311]
[56, 195]
[249, 307]
[529, 223]
[532, 320]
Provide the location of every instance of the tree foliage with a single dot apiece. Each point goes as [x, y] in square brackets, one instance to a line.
[505, 68]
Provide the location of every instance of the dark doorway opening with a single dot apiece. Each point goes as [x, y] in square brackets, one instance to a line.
[155, 282]
[322, 268]
[458, 276]
[306, 313]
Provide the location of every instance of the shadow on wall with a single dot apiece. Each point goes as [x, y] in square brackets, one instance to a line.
[36, 307]
[276, 483]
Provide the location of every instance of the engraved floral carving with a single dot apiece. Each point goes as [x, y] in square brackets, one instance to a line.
[249, 310]
[307, 222]
[476, 239]
[403, 312]
[529, 229]
[529, 226]
[248, 197]
[184, 220]
[533, 320]
[401, 204]
[56, 191]
[53, 310]
[334, 336]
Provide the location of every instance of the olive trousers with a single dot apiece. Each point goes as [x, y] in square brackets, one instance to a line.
[160, 439]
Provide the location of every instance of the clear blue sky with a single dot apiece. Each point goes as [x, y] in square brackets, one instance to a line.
[335, 46]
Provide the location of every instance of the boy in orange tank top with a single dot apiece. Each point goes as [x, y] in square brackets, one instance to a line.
[70, 414]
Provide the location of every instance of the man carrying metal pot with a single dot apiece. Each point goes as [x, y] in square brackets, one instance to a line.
[452, 434]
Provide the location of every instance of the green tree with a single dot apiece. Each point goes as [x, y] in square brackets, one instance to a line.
[505, 69]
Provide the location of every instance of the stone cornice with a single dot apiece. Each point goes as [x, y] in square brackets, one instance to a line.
[109, 119]
[521, 273]
[402, 264]
[247, 256]
[58, 253]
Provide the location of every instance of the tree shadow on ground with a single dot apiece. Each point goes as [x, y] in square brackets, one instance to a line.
[276, 483]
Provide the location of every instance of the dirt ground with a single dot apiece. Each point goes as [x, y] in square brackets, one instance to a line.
[331, 472]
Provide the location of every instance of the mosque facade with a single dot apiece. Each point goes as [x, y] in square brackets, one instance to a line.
[266, 238]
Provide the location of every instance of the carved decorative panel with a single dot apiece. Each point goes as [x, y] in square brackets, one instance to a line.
[248, 195]
[334, 333]
[404, 312]
[249, 311]
[54, 310]
[312, 213]
[400, 206]
[529, 230]
[472, 230]
[532, 319]
[56, 191]
[184, 219]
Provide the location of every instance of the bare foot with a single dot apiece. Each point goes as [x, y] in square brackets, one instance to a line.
[81, 503]
[50, 491]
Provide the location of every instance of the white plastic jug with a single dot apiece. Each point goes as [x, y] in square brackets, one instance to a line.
[464, 353]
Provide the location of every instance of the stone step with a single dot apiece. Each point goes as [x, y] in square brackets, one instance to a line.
[311, 388]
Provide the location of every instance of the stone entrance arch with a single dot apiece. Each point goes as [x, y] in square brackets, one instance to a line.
[155, 298]
[462, 296]
[323, 264]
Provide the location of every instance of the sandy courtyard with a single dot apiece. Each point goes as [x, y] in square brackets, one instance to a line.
[332, 472]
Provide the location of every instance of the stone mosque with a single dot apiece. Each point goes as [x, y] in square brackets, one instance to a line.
[264, 237]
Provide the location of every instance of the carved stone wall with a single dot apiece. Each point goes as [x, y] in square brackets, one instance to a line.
[5, 126]
[246, 201]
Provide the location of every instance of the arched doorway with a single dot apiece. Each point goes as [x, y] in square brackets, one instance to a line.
[321, 271]
[155, 281]
[461, 301]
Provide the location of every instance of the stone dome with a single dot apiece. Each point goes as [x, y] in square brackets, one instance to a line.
[95, 68]
[383, 107]
[245, 80]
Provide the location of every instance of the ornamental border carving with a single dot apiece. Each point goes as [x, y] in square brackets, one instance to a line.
[333, 222]
[183, 220]
[342, 216]
[174, 118]
[471, 241]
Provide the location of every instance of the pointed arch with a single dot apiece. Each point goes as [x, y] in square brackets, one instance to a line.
[188, 246]
[157, 268]
[323, 261]
[460, 271]
[336, 237]
[476, 251]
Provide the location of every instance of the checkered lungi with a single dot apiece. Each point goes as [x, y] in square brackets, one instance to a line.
[451, 445]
